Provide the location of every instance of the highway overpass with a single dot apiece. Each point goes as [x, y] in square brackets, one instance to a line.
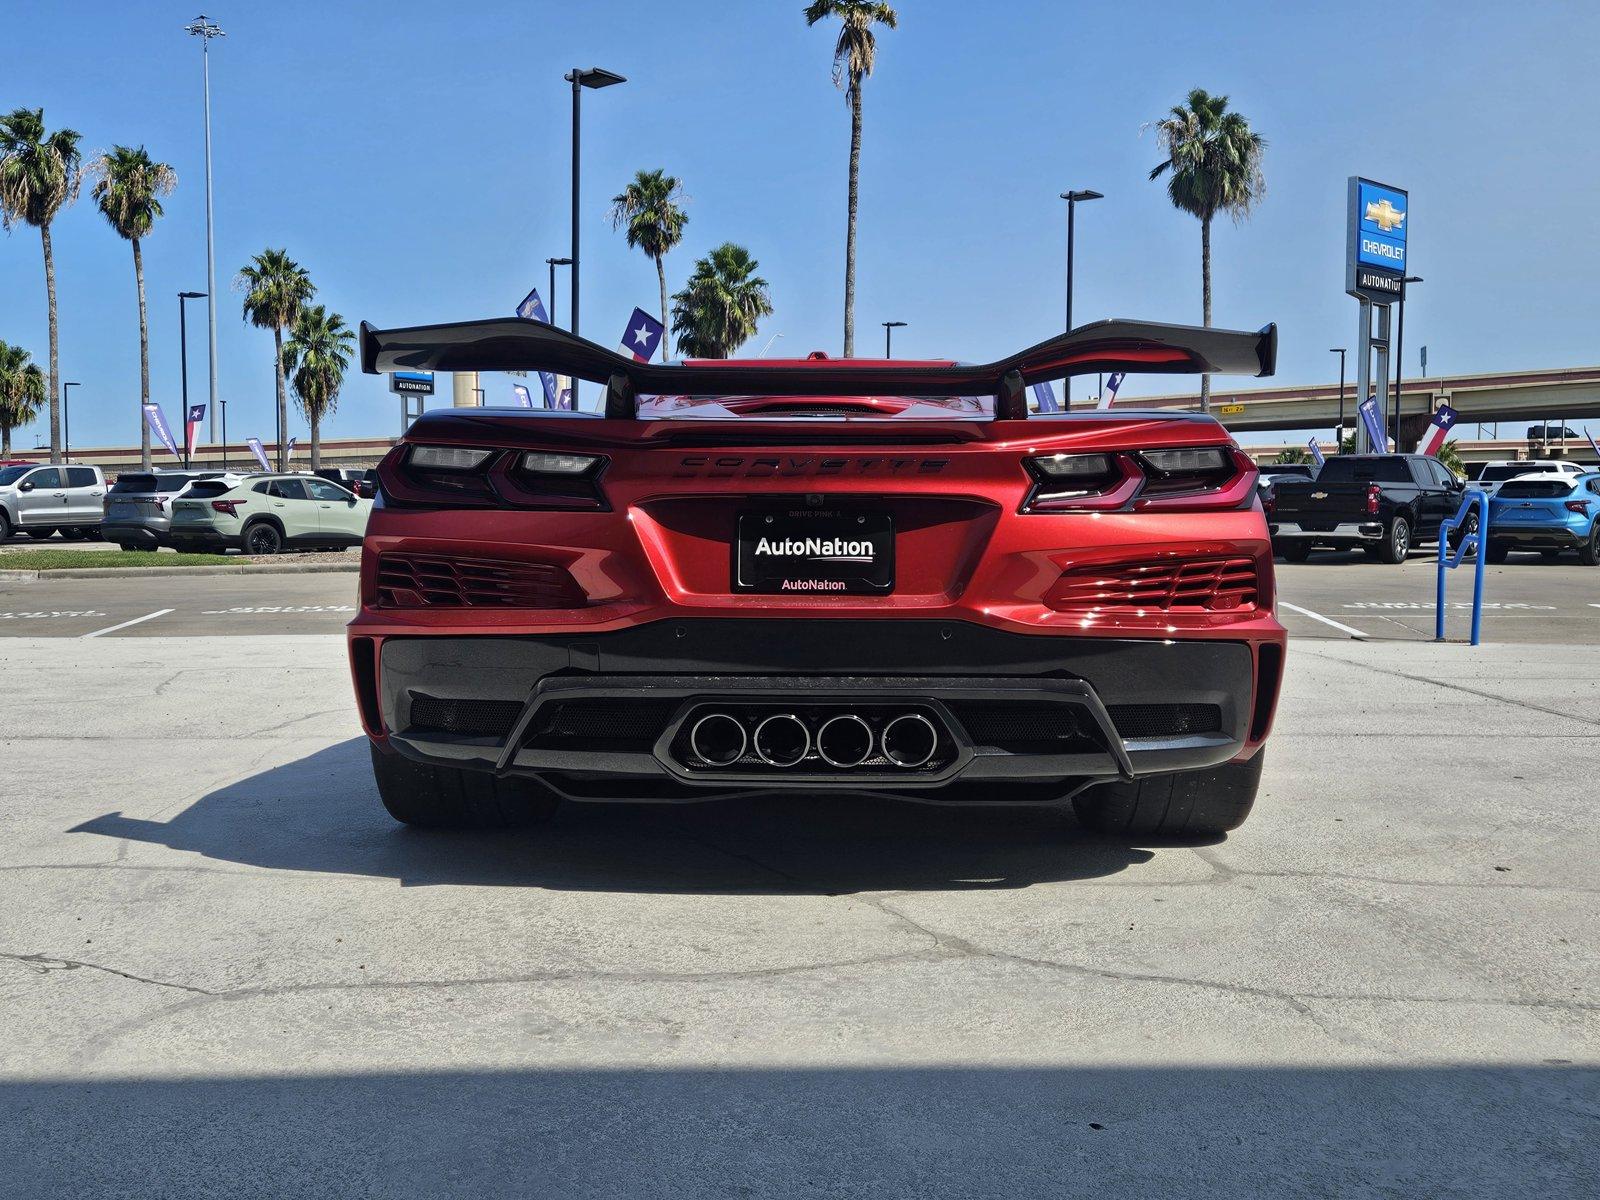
[1566, 395]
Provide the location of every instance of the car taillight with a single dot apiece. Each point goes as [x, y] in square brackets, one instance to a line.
[478, 477]
[1581, 507]
[231, 507]
[1373, 492]
[1198, 477]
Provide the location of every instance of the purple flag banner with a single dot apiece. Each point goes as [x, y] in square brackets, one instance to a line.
[158, 425]
[532, 309]
[259, 451]
[523, 395]
[1316, 451]
[1374, 424]
[1045, 396]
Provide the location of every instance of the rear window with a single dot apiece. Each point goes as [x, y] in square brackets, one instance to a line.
[147, 483]
[1353, 468]
[1535, 489]
[1507, 471]
[209, 487]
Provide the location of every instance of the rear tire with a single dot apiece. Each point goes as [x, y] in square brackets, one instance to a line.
[262, 538]
[5, 526]
[448, 798]
[1589, 552]
[1396, 541]
[1296, 551]
[127, 546]
[1183, 804]
[40, 534]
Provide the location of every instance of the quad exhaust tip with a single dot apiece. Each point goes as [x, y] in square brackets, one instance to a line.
[909, 741]
[718, 739]
[845, 741]
[781, 740]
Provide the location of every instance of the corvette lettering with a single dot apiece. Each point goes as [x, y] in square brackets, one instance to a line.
[789, 466]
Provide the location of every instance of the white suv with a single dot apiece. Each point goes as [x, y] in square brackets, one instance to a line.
[41, 500]
[1497, 472]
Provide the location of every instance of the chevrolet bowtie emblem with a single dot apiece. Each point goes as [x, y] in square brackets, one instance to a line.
[1319, 495]
[1385, 215]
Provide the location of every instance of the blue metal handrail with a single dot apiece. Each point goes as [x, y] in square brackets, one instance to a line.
[1474, 541]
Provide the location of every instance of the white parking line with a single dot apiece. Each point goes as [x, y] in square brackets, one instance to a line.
[113, 628]
[1306, 612]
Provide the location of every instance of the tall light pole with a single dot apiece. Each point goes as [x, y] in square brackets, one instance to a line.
[550, 301]
[66, 423]
[223, 404]
[1073, 199]
[1400, 354]
[183, 357]
[205, 30]
[594, 77]
[1338, 437]
[888, 336]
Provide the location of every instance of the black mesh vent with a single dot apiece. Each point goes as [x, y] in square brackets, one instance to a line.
[1025, 726]
[1165, 720]
[610, 724]
[477, 718]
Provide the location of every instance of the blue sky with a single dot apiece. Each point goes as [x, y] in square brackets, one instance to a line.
[416, 161]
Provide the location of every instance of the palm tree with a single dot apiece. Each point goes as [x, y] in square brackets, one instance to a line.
[275, 288]
[1215, 162]
[318, 351]
[652, 209]
[719, 307]
[22, 393]
[1292, 454]
[128, 188]
[853, 57]
[39, 175]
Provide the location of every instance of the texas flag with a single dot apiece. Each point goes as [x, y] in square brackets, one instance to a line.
[1113, 382]
[1045, 396]
[1316, 451]
[642, 336]
[1443, 422]
[197, 413]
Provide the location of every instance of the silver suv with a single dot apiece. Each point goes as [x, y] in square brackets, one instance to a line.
[41, 500]
[138, 513]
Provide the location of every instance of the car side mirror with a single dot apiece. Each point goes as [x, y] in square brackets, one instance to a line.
[26, 487]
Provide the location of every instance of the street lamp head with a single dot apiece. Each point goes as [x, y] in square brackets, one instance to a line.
[204, 27]
[559, 262]
[894, 324]
[191, 295]
[1085, 194]
[594, 77]
[1412, 279]
[1336, 349]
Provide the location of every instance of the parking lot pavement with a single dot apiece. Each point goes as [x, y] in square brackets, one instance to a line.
[1525, 600]
[224, 970]
[177, 605]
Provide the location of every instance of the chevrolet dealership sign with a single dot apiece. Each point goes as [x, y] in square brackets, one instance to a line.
[1377, 221]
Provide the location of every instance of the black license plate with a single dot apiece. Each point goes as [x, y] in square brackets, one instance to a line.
[799, 551]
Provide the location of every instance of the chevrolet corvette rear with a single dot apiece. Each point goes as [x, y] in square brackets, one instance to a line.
[875, 577]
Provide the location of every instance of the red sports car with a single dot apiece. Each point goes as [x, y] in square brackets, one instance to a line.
[873, 576]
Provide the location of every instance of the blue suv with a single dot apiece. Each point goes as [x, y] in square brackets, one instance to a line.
[1547, 513]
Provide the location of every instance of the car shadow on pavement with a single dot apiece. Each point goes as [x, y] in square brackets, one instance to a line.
[852, 1131]
[322, 813]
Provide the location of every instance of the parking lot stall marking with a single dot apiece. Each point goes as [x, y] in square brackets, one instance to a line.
[136, 621]
[1315, 616]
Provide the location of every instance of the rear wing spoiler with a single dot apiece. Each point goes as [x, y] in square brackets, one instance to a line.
[518, 344]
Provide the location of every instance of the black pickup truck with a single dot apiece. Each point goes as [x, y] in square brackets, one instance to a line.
[1383, 503]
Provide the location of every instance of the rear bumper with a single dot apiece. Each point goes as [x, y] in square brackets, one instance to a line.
[1351, 532]
[1018, 717]
[138, 534]
[1563, 536]
[209, 539]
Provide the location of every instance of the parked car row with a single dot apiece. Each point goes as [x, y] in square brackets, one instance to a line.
[1386, 504]
[260, 513]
